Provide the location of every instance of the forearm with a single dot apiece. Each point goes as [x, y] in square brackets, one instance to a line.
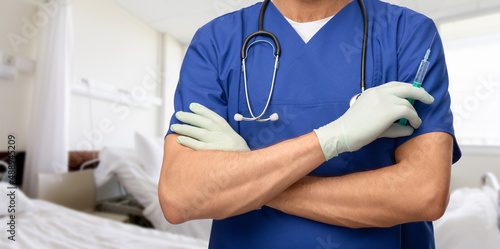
[414, 189]
[366, 199]
[220, 184]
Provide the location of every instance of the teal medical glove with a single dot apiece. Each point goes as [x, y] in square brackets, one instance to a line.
[372, 116]
[206, 130]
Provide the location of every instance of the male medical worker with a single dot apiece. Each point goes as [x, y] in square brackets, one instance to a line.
[325, 174]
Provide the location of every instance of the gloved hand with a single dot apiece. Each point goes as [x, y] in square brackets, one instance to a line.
[206, 130]
[372, 117]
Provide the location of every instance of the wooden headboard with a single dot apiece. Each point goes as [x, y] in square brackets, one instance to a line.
[77, 158]
[75, 161]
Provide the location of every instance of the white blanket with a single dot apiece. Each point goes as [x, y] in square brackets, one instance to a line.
[470, 221]
[43, 225]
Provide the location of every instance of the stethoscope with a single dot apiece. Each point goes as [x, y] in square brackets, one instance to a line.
[277, 53]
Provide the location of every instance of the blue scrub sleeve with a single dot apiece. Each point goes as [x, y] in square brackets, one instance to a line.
[198, 80]
[436, 117]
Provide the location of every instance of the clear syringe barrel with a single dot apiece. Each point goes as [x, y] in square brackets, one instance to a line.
[419, 78]
[422, 71]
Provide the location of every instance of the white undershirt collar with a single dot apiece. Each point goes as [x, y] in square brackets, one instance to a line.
[307, 30]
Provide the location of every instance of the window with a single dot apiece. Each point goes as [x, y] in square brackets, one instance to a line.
[472, 49]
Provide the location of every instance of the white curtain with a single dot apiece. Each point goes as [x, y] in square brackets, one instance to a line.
[47, 148]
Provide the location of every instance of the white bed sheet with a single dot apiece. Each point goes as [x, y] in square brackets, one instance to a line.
[50, 226]
[470, 221]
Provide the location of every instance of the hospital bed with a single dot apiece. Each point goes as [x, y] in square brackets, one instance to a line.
[44, 225]
[124, 164]
[58, 226]
[137, 170]
[472, 219]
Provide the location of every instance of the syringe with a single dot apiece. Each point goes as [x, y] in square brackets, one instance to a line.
[419, 78]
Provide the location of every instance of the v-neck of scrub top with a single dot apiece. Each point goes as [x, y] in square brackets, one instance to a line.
[293, 46]
[341, 29]
[307, 30]
[275, 16]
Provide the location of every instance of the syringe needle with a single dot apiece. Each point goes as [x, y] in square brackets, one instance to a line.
[429, 50]
[432, 42]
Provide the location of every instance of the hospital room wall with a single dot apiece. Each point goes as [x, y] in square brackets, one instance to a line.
[475, 161]
[15, 95]
[476, 128]
[111, 46]
[173, 53]
[114, 47]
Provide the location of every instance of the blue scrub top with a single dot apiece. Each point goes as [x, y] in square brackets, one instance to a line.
[314, 84]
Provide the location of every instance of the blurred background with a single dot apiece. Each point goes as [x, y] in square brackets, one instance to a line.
[119, 62]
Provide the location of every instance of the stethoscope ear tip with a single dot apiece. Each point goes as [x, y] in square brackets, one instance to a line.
[274, 117]
[238, 117]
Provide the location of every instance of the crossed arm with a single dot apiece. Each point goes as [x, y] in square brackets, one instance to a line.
[416, 188]
[220, 184]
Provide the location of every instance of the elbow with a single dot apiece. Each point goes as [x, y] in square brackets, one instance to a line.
[173, 218]
[172, 208]
[436, 209]
[180, 206]
[171, 211]
[179, 210]
[434, 204]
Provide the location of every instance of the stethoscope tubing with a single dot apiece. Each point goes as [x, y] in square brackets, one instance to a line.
[276, 63]
[277, 52]
[365, 45]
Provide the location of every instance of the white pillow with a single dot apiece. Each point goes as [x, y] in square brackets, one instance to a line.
[150, 153]
[108, 161]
